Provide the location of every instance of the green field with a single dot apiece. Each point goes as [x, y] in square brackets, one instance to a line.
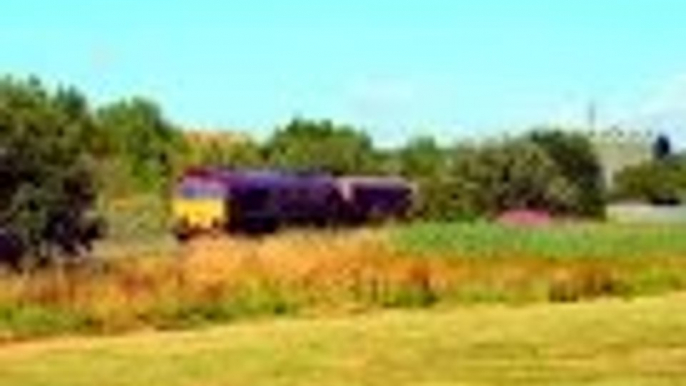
[574, 240]
[609, 342]
[144, 233]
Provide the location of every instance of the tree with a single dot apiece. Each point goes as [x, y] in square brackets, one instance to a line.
[92, 136]
[424, 162]
[662, 148]
[662, 181]
[239, 155]
[46, 189]
[140, 139]
[579, 165]
[320, 145]
[497, 177]
[223, 150]
[422, 157]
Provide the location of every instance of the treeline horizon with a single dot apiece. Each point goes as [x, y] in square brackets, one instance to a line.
[61, 157]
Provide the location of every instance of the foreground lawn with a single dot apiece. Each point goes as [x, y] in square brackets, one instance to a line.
[609, 342]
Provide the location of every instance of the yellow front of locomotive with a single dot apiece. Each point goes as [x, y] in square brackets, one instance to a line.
[199, 206]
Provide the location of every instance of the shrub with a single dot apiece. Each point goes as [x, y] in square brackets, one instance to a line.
[47, 188]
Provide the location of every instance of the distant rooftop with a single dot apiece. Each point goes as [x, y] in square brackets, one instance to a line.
[215, 136]
[618, 134]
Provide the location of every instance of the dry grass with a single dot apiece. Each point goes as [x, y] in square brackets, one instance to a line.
[216, 280]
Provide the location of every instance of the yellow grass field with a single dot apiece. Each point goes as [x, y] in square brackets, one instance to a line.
[607, 342]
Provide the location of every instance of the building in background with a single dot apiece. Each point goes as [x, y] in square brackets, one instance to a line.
[206, 137]
[619, 149]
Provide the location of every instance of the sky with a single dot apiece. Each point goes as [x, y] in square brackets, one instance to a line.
[399, 69]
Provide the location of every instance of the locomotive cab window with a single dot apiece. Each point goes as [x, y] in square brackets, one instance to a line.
[200, 190]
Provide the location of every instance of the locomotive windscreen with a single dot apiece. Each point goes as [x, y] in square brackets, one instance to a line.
[200, 189]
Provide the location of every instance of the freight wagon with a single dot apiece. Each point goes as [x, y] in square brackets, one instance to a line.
[259, 201]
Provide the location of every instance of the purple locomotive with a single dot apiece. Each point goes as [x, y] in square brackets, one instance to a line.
[208, 199]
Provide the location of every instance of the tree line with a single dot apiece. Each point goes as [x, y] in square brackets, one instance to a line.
[60, 155]
[661, 181]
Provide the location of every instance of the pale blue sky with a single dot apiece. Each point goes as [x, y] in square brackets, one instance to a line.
[397, 68]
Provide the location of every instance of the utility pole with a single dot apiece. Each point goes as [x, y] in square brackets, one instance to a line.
[592, 116]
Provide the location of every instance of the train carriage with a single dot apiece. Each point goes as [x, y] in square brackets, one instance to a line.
[239, 201]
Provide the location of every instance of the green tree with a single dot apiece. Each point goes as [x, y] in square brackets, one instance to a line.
[579, 165]
[138, 138]
[424, 162]
[45, 166]
[422, 157]
[661, 181]
[241, 154]
[515, 174]
[320, 145]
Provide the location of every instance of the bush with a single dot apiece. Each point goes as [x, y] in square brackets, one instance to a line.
[659, 182]
[47, 185]
[578, 163]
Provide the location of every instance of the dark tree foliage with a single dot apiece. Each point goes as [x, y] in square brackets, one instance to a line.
[662, 148]
[425, 163]
[46, 188]
[662, 181]
[515, 174]
[578, 163]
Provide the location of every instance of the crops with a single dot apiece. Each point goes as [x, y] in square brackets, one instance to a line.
[314, 273]
[598, 241]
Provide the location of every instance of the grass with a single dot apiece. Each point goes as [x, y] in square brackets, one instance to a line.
[224, 280]
[137, 218]
[214, 281]
[608, 342]
[571, 241]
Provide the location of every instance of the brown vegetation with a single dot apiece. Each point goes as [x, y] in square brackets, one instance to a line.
[213, 280]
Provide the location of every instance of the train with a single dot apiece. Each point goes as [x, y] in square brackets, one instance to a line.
[229, 201]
